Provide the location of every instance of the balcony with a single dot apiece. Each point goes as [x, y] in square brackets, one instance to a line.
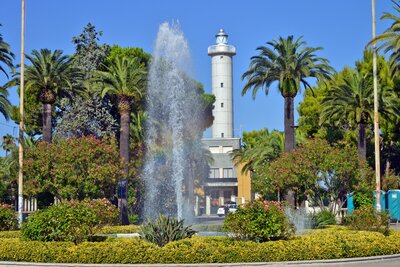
[221, 180]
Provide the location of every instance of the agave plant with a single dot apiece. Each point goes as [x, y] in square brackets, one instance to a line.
[166, 229]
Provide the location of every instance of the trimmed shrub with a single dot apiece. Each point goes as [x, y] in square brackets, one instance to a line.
[259, 221]
[8, 218]
[368, 219]
[322, 219]
[166, 229]
[330, 243]
[119, 229]
[10, 234]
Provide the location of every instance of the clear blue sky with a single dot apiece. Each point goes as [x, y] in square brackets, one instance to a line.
[341, 27]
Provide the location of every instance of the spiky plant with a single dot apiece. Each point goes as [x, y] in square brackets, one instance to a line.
[166, 229]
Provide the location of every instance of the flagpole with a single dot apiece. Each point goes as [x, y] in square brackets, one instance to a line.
[376, 116]
[21, 119]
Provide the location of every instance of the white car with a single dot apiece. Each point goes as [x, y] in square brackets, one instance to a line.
[224, 210]
[232, 208]
[221, 211]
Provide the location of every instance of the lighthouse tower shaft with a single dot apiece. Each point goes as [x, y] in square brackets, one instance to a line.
[222, 85]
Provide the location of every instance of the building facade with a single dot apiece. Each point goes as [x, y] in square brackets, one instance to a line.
[225, 182]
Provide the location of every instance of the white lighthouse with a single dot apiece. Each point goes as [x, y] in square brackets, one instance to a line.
[221, 59]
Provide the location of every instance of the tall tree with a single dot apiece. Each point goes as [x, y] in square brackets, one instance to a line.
[258, 149]
[289, 63]
[88, 53]
[50, 75]
[89, 115]
[390, 38]
[6, 56]
[352, 103]
[5, 105]
[86, 117]
[125, 79]
[8, 143]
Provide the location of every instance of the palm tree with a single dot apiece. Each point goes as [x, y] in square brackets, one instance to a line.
[288, 63]
[391, 39]
[6, 56]
[8, 143]
[352, 102]
[50, 76]
[266, 147]
[5, 105]
[123, 78]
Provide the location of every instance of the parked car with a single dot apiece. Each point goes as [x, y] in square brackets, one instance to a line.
[232, 207]
[225, 209]
[221, 211]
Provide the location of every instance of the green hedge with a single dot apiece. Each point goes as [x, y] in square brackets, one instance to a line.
[119, 229]
[319, 244]
[10, 234]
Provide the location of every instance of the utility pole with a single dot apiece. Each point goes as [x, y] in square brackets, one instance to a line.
[376, 116]
[21, 118]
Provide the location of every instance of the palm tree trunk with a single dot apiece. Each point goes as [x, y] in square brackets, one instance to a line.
[124, 153]
[124, 140]
[289, 140]
[289, 124]
[362, 140]
[47, 117]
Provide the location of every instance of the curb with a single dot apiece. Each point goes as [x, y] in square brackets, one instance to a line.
[330, 262]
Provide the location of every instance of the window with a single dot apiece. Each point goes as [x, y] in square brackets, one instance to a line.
[227, 149]
[214, 149]
[228, 173]
[222, 105]
[214, 173]
[222, 135]
[222, 85]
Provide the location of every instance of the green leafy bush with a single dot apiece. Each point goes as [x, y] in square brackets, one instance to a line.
[73, 222]
[8, 218]
[259, 221]
[363, 199]
[322, 219]
[368, 219]
[166, 229]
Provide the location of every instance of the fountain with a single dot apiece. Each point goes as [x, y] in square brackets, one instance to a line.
[172, 126]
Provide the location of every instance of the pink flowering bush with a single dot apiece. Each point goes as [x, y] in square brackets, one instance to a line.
[106, 212]
[76, 168]
[259, 221]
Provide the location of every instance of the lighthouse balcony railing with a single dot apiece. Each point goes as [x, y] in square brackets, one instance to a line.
[221, 49]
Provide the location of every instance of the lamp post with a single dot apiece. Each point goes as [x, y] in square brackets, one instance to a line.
[21, 118]
[376, 116]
